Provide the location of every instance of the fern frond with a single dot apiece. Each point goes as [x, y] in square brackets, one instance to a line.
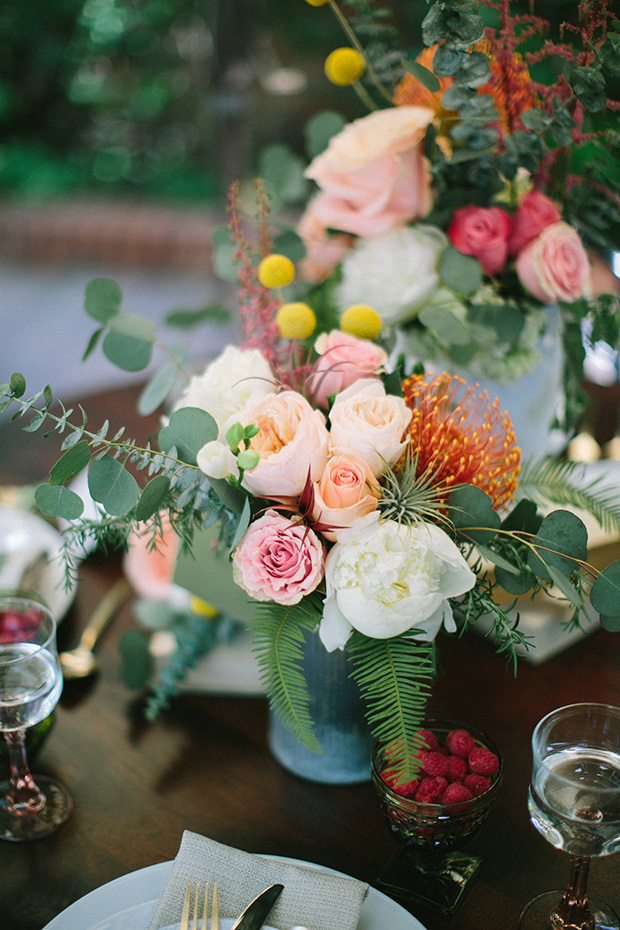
[278, 638]
[395, 678]
[562, 482]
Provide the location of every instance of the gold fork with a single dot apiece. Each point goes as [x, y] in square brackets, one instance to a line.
[187, 908]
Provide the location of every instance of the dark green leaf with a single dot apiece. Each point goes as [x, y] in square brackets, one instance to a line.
[589, 87]
[426, 78]
[111, 485]
[535, 120]
[58, 502]
[561, 541]
[447, 61]
[561, 581]
[515, 584]
[471, 511]
[152, 497]
[244, 522]
[17, 384]
[137, 661]
[102, 299]
[475, 70]
[605, 592]
[609, 54]
[127, 352]
[92, 344]
[611, 624]
[189, 318]
[188, 430]
[231, 497]
[71, 463]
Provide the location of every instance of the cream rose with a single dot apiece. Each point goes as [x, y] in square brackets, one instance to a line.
[368, 423]
[554, 265]
[384, 578]
[373, 174]
[396, 273]
[228, 384]
[293, 443]
[346, 491]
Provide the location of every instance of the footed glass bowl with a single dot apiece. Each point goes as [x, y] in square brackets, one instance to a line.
[430, 866]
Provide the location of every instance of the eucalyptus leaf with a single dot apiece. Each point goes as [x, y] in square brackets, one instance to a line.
[188, 429]
[514, 584]
[71, 463]
[157, 389]
[446, 61]
[58, 501]
[152, 497]
[102, 299]
[137, 662]
[561, 581]
[426, 78]
[17, 384]
[244, 522]
[611, 624]
[471, 511]
[319, 129]
[127, 352]
[111, 485]
[461, 273]
[447, 326]
[92, 343]
[561, 541]
[605, 592]
[231, 497]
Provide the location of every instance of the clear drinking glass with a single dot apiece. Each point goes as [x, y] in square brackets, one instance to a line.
[574, 802]
[30, 685]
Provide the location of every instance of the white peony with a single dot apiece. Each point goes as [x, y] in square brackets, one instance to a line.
[396, 273]
[368, 423]
[228, 384]
[216, 460]
[383, 578]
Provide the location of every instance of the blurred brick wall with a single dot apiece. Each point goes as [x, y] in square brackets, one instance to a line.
[119, 233]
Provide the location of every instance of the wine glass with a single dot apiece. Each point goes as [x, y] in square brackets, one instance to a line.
[30, 685]
[574, 801]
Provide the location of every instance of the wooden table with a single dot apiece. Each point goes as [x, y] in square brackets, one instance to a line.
[205, 765]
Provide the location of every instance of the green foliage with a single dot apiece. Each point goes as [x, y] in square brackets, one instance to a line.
[188, 429]
[472, 514]
[395, 677]
[279, 633]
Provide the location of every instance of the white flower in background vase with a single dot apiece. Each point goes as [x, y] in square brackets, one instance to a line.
[228, 384]
[395, 273]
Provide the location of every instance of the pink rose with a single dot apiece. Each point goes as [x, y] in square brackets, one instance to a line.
[373, 174]
[555, 265]
[278, 560]
[535, 212]
[292, 442]
[323, 251]
[342, 360]
[150, 570]
[482, 232]
[346, 491]
[370, 424]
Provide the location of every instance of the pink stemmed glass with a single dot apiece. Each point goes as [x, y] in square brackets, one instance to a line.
[30, 686]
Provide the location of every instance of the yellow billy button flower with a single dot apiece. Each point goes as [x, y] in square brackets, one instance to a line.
[344, 66]
[276, 271]
[317, 2]
[361, 321]
[295, 321]
[202, 608]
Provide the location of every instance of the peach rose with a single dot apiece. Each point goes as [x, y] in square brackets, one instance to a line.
[373, 174]
[370, 424]
[481, 232]
[323, 250]
[278, 560]
[343, 359]
[347, 490]
[535, 212]
[150, 570]
[292, 442]
[555, 265]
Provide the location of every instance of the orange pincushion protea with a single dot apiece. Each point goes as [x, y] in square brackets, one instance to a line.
[461, 437]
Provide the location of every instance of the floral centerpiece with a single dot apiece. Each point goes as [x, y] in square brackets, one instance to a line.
[374, 505]
[477, 193]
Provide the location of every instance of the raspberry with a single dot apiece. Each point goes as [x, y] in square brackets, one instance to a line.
[409, 788]
[430, 789]
[482, 761]
[457, 768]
[460, 743]
[477, 784]
[456, 792]
[429, 738]
[434, 763]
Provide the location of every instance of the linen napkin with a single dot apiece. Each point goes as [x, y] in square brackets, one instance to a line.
[318, 900]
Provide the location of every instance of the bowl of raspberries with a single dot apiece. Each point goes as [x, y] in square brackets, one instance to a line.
[458, 772]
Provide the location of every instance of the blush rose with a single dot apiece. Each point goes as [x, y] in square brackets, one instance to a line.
[535, 212]
[278, 560]
[292, 442]
[555, 265]
[343, 359]
[482, 232]
[368, 423]
[373, 175]
[324, 250]
[346, 491]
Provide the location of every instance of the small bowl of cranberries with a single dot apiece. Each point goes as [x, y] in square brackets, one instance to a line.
[459, 770]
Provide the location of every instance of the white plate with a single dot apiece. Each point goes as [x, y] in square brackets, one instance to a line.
[128, 902]
[28, 540]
